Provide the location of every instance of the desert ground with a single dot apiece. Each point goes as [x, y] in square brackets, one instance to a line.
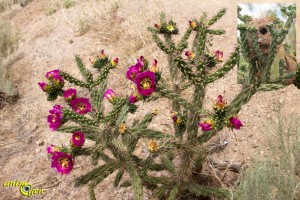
[49, 41]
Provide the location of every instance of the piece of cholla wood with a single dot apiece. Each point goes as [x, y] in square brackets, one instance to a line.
[223, 165]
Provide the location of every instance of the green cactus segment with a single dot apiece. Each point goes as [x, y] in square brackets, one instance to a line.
[135, 181]
[245, 48]
[98, 174]
[284, 77]
[183, 43]
[89, 131]
[242, 98]
[118, 177]
[115, 112]
[73, 80]
[174, 192]
[215, 32]
[97, 95]
[270, 87]
[217, 17]
[206, 190]
[158, 41]
[173, 96]
[103, 76]
[168, 164]
[200, 41]
[86, 74]
[100, 63]
[77, 118]
[233, 60]
[187, 71]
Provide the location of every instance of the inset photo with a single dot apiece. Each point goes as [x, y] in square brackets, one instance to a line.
[267, 37]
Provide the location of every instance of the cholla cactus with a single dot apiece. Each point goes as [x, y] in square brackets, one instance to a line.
[190, 67]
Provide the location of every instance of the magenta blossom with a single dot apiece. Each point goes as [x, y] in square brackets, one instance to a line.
[77, 139]
[207, 125]
[190, 55]
[52, 73]
[153, 68]
[102, 54]
[176, 118]
[145, 83]
[218, 56]
[114, 62]
[133, 98]
[55, 117]
[81, 105]
[134, 70]
[53, 149]
[235, 123]
[45, 87]
[62, 162]
[58, 80]
[70, 94]
[111, 96]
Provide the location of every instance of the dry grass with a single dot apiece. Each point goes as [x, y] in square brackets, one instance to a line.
[8, 43]
[69, 3]
[8, 40]
[278, 176]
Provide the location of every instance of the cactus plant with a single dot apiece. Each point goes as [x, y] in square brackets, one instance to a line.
[181, 153]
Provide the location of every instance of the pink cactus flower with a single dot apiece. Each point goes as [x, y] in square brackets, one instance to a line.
[235, 123]
[63, 162]
[111, 96]
[207, 125]
[70, 94]
[55, 117]
[190, 55]
[145, 83]
[81, 105]
[77, 139]
[53, 149]
[218, 56]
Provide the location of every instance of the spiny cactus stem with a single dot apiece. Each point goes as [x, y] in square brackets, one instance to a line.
[233, 60]
[103, 76]
[218, 16]
[158, 41]
[73, 80]
[173, 96]
[242, 98]
[173, 70]
[117, 108]
[183, 42]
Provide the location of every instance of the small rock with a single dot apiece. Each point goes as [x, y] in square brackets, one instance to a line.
[262, 152]
[39, 142]
[254, 145]
[248, 158]
[235, 149]
[37, 151]
[281, 101]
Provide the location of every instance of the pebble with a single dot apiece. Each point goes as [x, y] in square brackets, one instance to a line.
[254, 145]
[39, 142]
[37, 151]
[262, 152]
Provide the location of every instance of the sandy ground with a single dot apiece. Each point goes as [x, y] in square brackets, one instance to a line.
[50, 42]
